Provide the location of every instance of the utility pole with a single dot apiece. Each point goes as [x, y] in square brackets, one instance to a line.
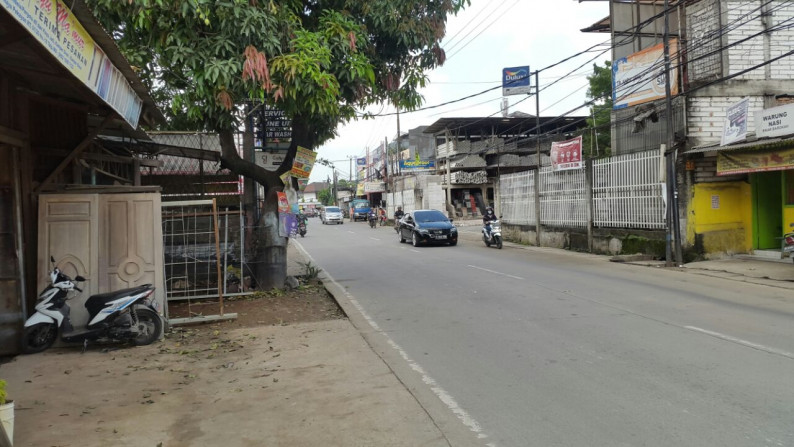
[537, 149]
[673, 225]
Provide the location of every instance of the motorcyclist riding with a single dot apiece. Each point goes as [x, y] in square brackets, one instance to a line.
[399, 213]
[487, 219]
[372, 217]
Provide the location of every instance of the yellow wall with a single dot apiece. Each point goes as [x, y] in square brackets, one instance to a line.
[788, 218]
[721, 213]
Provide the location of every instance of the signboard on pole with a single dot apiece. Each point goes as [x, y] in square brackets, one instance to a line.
[567, 154]
[268, 159]
[639, 78]
[735, 125]
[417, 165]
[775, 122]
[515, 81]
[303, 163]
[374, 187]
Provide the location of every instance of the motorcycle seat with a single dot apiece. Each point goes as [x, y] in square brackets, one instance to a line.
[97, 302]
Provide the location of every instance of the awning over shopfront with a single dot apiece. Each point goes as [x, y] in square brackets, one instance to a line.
[769, 154]
[59, 50]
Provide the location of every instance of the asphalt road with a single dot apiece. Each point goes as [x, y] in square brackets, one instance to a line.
[542, 347]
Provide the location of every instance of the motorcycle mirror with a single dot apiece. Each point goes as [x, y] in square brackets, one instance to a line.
[52, 259]
[79, 278]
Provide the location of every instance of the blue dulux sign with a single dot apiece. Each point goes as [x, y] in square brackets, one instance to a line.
[515, 81]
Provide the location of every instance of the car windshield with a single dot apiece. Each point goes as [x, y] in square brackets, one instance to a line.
[430, 216]
[332, 209]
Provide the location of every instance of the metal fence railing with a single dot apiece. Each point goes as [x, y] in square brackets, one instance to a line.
[626, 192]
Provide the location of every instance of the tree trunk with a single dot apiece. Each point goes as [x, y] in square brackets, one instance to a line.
[270, 249]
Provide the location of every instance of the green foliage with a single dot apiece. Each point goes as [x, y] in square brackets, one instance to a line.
[3, 392]
[600, 90]
[323, 60]
[311, 272]
[325, 197]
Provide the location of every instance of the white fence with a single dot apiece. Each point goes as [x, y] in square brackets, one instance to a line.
[626, 193]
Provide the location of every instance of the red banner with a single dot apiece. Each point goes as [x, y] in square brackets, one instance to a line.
[566, 154]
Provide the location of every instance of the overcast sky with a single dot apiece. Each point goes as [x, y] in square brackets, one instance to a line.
[480, 41]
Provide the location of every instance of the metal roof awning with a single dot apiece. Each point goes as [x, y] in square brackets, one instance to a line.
[24, 56]
[509, 126]
[752, 145]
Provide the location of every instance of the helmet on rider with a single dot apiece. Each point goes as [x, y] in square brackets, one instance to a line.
[489, 210]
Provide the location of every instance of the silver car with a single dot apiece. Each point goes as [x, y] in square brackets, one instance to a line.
[332, 214]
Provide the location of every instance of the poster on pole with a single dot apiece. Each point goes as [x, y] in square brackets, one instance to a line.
[515, 81]
[303, 163]
[567, 154]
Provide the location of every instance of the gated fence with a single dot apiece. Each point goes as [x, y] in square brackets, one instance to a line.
[625, 192]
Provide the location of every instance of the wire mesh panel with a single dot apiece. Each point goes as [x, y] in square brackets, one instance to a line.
[627, 192]
[517, 193]
[563, 197]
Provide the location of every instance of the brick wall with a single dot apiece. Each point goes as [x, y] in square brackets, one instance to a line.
[706, 115]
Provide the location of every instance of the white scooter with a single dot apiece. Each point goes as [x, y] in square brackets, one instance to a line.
[124, 315]
[495, 236]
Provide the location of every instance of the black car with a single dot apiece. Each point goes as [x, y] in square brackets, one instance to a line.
[427, 227]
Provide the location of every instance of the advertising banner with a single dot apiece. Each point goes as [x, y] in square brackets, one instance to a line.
[268, 159]
[360, 189]
[742, 163]
[566, 154]
[57, 29]
[303, 163]
[374, 187]
[361, 161]
[283, 203]
[639, 78]
[775, 122]
[735, 125]
[515, 81]
[417, 165]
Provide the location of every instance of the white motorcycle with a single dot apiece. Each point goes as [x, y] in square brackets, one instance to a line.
[495, 235]
[124, 315]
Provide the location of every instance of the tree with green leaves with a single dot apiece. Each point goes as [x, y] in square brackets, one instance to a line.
[208, 62]
[599, 121]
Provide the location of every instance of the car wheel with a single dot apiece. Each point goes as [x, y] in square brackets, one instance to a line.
[414, 239]
[400, 236]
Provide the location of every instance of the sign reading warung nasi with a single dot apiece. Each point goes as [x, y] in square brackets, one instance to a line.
[775, 122]
[566, 154]
[58, 30]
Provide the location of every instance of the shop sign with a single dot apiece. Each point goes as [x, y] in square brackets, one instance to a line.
[269, 160]
[417, 165]
[566, 154]
[639, 78]
[742, 163]
[775, 122]
[735, 125]
[374, 187]
[57, 29]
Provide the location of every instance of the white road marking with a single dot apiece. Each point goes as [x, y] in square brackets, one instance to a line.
[415, 251]
[445, 397]
[496, 273]
[351, 232]
[374, 238]
[742, 342]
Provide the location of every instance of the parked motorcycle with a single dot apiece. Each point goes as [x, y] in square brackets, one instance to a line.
[302, 228]
[495, 236]
[124, 315]
[788, 242]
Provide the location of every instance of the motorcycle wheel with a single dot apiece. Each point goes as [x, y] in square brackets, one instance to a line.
[149, 327]
[303, 234]
[400, 236]
[38, 337]
[486, 241]
[498, 242]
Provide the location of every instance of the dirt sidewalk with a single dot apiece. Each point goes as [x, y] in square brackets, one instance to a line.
[288, 384]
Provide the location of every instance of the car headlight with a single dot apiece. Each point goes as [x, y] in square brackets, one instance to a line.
[453, 230]
[423, 231]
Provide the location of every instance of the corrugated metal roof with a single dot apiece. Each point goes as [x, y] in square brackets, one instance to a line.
[767, 143]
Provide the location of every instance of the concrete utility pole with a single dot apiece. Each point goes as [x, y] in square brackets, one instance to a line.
[673, 224]
[537, 148]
